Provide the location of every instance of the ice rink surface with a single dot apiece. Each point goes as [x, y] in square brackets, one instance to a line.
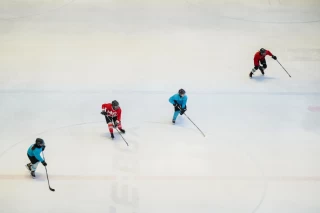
[60, 60]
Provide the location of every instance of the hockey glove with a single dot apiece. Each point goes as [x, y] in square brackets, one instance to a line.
[175, 104]
[44, 163]
[183, 111]
[116, 124]
[274, 57]
[43, 148]
[177, 107]
[103, 113]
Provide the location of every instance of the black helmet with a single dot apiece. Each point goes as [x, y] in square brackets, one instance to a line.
[262, 51]
[115, 104]
[181, 92]
[39, 141]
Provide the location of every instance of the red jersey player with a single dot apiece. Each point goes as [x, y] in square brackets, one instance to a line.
[112, 112]
[259, 58]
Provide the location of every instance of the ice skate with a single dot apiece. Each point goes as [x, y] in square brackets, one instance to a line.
[112, 135]
[33, 174]
[28, 166]
[250, 75]
[122, 131]
[173, 121]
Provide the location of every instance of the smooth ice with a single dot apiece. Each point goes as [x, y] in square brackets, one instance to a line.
[60, 60]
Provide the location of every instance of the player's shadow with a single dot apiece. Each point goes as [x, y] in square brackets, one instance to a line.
[40, 176]
[108, 136]
[261, 78]
[181, 122]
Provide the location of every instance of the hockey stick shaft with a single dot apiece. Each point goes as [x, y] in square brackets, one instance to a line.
[195, 125]
[117, 130]
[284, 69]
[120, 134]
[122, 137]
[193, 122]
[47, 174]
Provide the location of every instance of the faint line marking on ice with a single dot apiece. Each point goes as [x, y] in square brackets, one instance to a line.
[45, 131]
[303, 54]
[170, 124]
[167, 178]
[128, 164]
[314, 108]
[256, 21]
[264, 179]
[270, 22]
[40, 13]
[48, 130]
[273, 2]
[158, 92]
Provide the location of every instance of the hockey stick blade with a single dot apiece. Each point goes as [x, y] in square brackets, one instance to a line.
[51, 189]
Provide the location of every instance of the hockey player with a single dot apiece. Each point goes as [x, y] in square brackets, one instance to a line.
[179, 102]
[112, 113]
[34, 156]
[259, 58]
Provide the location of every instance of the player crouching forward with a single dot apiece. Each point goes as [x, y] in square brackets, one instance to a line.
[112, 112]
[179, 102]
[259, 58]
[34, 156]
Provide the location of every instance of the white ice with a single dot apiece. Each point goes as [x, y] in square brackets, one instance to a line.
[60, 60]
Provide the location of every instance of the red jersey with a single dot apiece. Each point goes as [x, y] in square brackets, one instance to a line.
[258, 57]
[111, 112]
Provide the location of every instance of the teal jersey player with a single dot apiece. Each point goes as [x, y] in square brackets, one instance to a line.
[179, 102]
[34, 156]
